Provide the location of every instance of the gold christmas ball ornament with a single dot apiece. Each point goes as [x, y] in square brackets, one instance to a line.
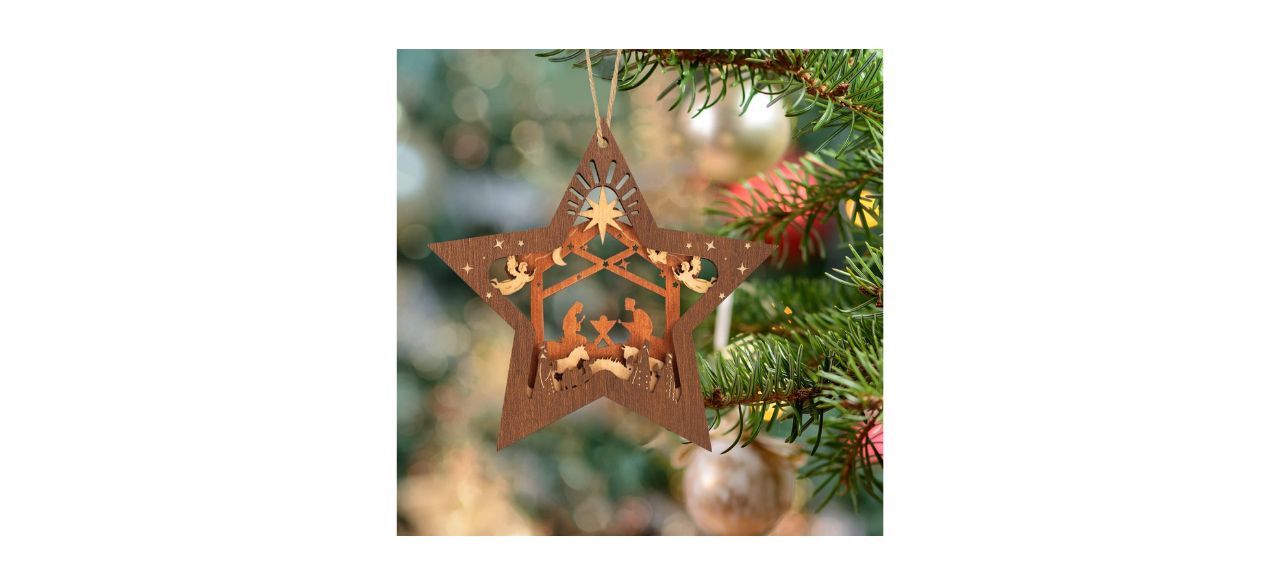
[743, 492]
[728, 147]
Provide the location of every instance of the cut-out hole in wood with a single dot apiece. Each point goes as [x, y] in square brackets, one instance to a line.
[695, 273]
[510, 277]
[574, 265]
[606, 295]
[646, 270]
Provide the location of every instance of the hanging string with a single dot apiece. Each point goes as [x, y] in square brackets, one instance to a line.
[613, 92]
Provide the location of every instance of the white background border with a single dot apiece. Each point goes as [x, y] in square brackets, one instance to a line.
[197, 234]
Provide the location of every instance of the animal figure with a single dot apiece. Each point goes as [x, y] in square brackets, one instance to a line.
[520, 275]
[574, 377]
[575, 357]
[659, 258]
[571, 370]
[629, 353]
[688, 273]
[613, 367]
[641, 375]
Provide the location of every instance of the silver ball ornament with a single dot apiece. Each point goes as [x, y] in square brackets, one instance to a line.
[743, 492]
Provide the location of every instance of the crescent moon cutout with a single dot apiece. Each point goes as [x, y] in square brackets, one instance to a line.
[555, 257]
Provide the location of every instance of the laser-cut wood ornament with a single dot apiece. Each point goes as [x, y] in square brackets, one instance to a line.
[652, 372]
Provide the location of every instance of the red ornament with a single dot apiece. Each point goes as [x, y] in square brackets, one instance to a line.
[875, 438]
[771, 191]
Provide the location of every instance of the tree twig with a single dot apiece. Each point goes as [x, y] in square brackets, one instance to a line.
[718, 400]
[781, 66]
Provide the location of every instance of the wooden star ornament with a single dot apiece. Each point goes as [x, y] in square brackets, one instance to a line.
[653, 373]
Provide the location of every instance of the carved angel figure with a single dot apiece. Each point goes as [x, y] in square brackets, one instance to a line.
[520, 275]
[687, 274]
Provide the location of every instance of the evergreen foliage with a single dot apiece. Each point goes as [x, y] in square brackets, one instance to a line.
[805, 361]
[817, 370]
[838, 93]
[805, 194]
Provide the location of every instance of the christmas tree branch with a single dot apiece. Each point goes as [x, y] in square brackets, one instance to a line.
[817, 367]
[718, 399]
[798, 196]
[789, 327]
[777, 301]
[836, 90]
[850, 453]
[783, 63]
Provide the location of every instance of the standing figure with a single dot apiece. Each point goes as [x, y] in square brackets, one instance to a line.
[641, 375]
[546, 372]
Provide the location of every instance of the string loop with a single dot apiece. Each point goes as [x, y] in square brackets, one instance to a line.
[613, 92]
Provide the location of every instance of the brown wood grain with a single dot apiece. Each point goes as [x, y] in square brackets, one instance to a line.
[527, 406]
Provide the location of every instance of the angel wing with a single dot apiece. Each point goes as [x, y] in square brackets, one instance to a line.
[697, 266]
[657, 257]
[511, 266]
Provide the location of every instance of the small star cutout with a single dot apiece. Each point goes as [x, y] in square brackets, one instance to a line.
[520, 243]
[711, 245]
[722, 295]
[622, 263]
[688, 245]
[498, 245]
[467, 268]
[488, 295]
[748, 245]
[742, 269]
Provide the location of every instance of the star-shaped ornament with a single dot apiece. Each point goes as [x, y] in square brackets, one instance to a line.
[653, 371]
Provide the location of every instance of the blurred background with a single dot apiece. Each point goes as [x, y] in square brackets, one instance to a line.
[486, 143]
